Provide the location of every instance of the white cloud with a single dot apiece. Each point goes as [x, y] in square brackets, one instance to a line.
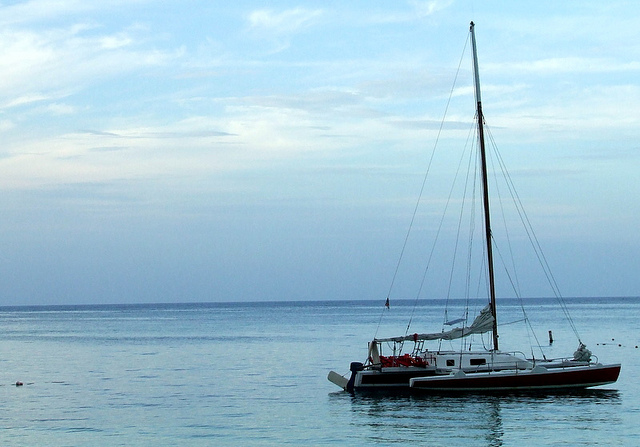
[115, 41]
[6, 125]
[418, 10]
[61, 109]
[39, 10]
[284, 22]
[47, 10]
[26, 99]
[557, 65]
[37, 66]
[427, 8]
[276, 29]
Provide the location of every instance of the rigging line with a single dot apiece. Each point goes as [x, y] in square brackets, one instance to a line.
[533, 239]
[439, 230]
[531, 234]
[503, 170]
[515, 284]
[471, 174]
[482, 271]
[520, 300]
[471, 228]
[513, 280]
[424, 181]
[513, 322]
[459, 226]
[460, 220]
[524, 219]
[470, 184]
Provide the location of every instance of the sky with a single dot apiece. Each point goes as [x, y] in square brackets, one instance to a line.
[231, 151]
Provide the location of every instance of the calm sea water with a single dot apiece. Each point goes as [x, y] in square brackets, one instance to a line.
[255, 374]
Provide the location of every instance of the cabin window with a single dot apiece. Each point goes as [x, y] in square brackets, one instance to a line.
[476, 362]
[451, 362]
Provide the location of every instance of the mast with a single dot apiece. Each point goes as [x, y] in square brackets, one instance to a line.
[485, 189]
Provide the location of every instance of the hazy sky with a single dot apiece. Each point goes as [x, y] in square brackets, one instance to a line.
[224, 151]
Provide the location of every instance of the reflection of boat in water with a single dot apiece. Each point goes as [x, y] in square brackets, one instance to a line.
[487, 419]
[465, 369]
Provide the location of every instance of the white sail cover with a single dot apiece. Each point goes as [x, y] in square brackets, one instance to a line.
[483, 323]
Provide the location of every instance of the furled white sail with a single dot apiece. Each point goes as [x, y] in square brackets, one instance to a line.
[483, 323]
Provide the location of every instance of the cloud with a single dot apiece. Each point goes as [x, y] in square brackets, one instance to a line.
[48, 10]
[152, 134]
[61, 109]
[6, 125]
[277, 28]
[189, 148]
[427, 8]
[556, 65]
[418, 10]
[320, 101]
[37, 10]
[428, 124]
[282, 23]
[27, 99]
[116, 41]
[37, 66]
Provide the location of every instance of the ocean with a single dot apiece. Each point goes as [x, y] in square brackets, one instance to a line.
[254, 374]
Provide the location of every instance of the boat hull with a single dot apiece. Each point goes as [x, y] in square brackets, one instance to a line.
[536, 379]
[371, 378]
[389, 378]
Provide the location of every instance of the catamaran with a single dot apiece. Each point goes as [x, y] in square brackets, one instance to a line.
[471, 370]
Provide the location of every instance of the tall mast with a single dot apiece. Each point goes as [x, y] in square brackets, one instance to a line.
[485, 189]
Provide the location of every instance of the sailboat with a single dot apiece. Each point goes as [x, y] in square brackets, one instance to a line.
[467, 370]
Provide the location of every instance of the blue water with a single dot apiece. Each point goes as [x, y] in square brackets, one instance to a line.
[255, 374]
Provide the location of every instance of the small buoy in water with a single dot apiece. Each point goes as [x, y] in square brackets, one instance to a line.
[18, 383]
[550, 338]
